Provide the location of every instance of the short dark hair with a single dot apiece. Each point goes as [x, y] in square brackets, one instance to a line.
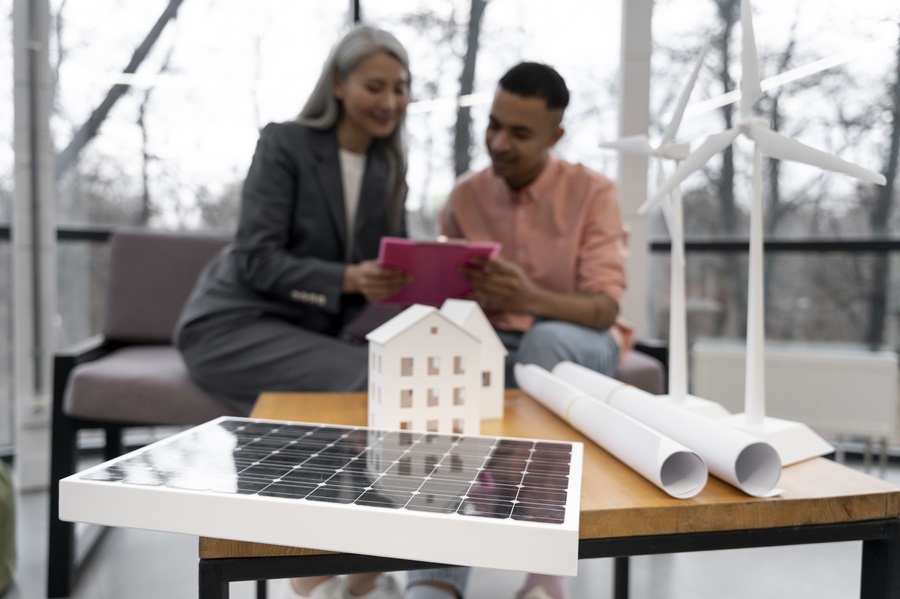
[536, 80]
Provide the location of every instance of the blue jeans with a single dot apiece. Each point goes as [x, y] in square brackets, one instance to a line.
[549, 342]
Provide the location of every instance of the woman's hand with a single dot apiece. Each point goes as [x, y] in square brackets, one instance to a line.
[374, 281]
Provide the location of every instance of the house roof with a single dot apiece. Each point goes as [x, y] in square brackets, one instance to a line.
[469, 316]
[406, 319]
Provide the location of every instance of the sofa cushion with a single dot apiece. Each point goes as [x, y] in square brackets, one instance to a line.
[142, 384]
[642, 371]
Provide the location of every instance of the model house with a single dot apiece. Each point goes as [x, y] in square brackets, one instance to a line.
[424, 374]
[470, 317]
[436, 370]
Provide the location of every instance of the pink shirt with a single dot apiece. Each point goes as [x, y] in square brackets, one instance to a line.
[564, 230]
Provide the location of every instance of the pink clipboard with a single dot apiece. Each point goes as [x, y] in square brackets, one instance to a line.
[434, 266]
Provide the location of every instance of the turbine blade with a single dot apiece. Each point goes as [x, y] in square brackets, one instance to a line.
[782, 147]
[751, 88]
[710, 147]
[633, 144]
[672, 129]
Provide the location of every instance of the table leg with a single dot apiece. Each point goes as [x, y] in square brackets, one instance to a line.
[621, 567]
[881, 569]
[212, 581]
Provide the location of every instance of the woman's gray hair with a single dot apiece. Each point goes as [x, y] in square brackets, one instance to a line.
[323, 109]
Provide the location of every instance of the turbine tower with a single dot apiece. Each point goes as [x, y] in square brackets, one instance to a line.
[669, 149]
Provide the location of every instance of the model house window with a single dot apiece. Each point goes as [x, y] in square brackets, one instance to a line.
[433, 398]
[405, 398]
[406, 366]
[432, 426]
[434, 365]
[431, 461]
[459, 396]
[434, 330]
[485, 379]
[378, 363]
[458, 428]
[458, 367]
[456, 462]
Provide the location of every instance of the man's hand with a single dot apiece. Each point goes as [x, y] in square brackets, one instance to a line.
[500, 285]
[374, 281]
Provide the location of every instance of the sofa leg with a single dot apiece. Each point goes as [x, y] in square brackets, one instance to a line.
[61, 541]
[114, 447]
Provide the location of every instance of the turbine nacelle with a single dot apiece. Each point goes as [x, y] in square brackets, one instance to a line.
[749, 125]
[674, 151]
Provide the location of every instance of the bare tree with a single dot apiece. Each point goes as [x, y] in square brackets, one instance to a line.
[463, 139]
[723, 185]
[89, 129]
[880, 217]
[146, 157]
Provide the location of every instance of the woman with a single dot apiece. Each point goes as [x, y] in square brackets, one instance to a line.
[270, 311]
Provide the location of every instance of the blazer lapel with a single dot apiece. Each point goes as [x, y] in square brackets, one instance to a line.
[328, 172]
[373, 204]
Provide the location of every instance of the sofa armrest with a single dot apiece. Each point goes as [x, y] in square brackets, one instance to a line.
[66, 359]
[656, 348]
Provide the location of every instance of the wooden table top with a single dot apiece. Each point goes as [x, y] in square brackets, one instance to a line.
[615, 500]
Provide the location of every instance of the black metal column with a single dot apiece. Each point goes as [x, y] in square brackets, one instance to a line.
[621, 567]
[881, 567]
[213, 584]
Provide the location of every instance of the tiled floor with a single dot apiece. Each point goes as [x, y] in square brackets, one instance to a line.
[133, 564]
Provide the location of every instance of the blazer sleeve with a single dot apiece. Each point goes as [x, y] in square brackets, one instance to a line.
[270, 255]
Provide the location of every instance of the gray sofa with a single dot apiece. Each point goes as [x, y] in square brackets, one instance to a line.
[130, 374]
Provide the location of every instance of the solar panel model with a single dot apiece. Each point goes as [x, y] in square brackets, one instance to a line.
[453, 499]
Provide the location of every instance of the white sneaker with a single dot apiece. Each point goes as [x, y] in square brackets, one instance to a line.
[536, 592]
[333, 588]
[386, 587]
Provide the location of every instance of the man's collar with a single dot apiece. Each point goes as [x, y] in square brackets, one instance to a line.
[538, 188]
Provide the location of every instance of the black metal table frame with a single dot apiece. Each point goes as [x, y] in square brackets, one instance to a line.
[880, 556]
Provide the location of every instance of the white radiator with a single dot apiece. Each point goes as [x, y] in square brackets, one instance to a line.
[835, 391]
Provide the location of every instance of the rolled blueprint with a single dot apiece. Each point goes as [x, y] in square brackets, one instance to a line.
[669, 465]
[741, 460]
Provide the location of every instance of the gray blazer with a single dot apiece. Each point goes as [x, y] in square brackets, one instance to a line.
[289, 255]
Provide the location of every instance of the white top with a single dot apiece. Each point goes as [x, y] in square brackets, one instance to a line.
[353, 166]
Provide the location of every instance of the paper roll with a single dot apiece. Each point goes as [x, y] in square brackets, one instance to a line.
[741, 460]
[669, 465]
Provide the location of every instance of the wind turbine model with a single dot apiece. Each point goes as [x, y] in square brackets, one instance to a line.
[794, 441]
[668, 148]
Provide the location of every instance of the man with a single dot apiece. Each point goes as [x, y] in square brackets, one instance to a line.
[554, 292]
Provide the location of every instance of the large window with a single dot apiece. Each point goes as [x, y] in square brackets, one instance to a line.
[157, 107]
[6, 190]
[436, 34]
[173, 150]
[828, 71]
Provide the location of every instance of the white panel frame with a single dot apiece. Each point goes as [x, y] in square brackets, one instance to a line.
[460, 540]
